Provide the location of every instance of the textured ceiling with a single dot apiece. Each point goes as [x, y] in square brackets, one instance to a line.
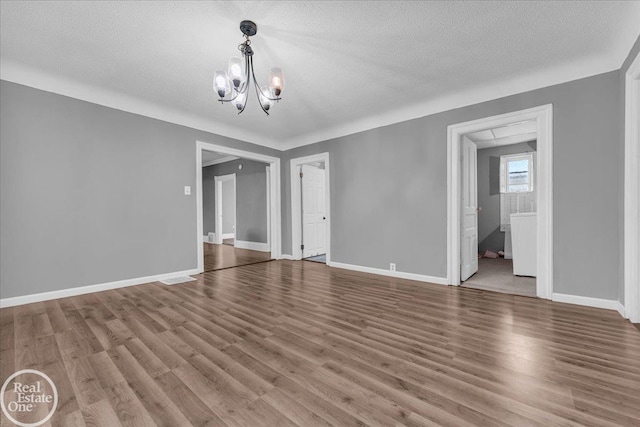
[348, 66]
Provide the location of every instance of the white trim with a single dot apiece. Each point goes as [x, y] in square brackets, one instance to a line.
[544, 171]
[621, 310]
[205, 239]
[275, 232]
[218, 206]
[274, 196]
[267, 168]
[287, 257]
[220, 160]
[609, 304]
[383, 272]
[70, 292]
[296, 220]
[632, 192]
[254, 246]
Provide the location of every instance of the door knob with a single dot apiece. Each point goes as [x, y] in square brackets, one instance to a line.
[479, 209]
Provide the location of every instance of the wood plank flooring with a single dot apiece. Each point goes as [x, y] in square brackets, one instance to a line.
[298, 343]
[217, 257]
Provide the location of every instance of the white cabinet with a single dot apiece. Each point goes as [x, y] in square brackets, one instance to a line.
[523, 241]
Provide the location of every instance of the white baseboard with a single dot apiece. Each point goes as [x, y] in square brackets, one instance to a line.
[254, 246]
[70, 292]
[287, 256]
[398, 274]
[609, 304]
[206, 239]
[621, 310]
[228, 235]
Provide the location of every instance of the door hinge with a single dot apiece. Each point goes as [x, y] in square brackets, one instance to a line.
[301, 174]
[302, 247]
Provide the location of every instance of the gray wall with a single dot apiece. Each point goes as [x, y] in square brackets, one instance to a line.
[489, 234]
[621, 121]
[251, 198]
[90, 194]
[389, 191]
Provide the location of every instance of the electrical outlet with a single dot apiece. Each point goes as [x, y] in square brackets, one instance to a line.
[187, 190]
[392, 266]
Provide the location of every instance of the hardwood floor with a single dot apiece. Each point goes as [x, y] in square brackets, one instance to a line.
[217, 257]
[299, 343]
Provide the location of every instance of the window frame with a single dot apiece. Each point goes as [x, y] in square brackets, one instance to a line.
[504, 167]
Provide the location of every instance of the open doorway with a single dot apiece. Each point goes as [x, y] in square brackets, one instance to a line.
[235, 211]
[463, 229]
[499, 209]
[225, 208]
[252, 220]
[310, 208]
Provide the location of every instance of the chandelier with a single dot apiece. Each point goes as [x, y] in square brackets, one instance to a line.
[236, 83]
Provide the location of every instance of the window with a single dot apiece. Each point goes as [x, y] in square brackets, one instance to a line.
[516, 187]
[516, 173]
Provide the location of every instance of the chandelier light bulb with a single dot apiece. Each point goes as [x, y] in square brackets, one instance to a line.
[221, 83]
[236, 71]
[276, 81]
[240, 100]
[266, 97]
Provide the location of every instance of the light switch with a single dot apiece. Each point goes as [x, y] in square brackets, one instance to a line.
[187, 190]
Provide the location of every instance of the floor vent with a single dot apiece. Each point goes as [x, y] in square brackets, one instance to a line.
[176, 280]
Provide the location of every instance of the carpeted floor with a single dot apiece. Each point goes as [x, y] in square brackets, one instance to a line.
[497, 275]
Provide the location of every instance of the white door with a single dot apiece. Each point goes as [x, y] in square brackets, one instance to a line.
[313, 211]
[228, 209]
[469, 220]
[225, 207]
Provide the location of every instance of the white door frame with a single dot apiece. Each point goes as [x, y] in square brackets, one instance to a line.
[543, 116]
[632, 193]
[218, 207]
[296, 217]
[274, 196]
[268, 180]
